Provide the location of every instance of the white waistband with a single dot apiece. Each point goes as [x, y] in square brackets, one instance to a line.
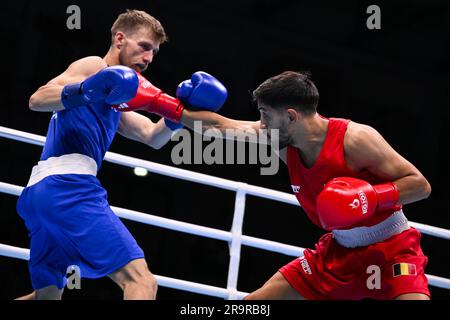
[74, 163]
[364, 236]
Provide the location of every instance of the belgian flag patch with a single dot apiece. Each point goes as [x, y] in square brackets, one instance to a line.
[404, 269]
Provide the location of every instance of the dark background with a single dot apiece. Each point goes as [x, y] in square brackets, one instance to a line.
[394, 79]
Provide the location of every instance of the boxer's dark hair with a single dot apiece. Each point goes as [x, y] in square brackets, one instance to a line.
[132, 20]
[289, 89]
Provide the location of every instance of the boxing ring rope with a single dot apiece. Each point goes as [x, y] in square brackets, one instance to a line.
[233, 237]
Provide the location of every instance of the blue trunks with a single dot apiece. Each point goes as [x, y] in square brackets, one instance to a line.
[71, 223]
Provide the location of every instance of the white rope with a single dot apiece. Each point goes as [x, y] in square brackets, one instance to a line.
[438, 281]
[199, 177]
[184, 227]
[26, 137]
[235, 237]
[235, 244]
[24, 254]
[269, 245]
[197, 287]
[430, 230]
[165, 170]
[14, 252]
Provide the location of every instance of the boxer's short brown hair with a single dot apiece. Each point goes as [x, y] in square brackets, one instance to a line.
[289, 89]
[132, 20]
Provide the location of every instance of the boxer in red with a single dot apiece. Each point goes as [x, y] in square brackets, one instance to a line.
[350, 182]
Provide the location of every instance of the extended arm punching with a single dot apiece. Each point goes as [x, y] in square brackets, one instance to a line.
[139, 128]
[202, 91]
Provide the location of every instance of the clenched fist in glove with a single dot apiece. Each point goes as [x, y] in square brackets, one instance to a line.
[345, 201]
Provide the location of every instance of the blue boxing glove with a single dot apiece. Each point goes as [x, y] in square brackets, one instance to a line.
[173, 125]
[113, 85]
[203, 92]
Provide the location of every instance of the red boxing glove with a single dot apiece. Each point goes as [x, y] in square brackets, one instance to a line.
[151, 99]
[345, 201]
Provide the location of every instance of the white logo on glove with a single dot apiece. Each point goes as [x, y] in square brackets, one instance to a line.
[363, 198]
[122, 106]
[355, 204]
[146, 84]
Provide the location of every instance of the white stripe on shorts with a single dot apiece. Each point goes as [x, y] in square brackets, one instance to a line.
[73, 163]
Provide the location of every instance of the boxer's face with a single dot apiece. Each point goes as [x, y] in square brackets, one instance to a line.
[138, 49]
[274, 119]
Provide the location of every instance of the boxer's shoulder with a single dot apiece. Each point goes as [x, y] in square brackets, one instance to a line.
[358, 134]
[89, 65]
[80, 70]
[92, 61]
[359, 139]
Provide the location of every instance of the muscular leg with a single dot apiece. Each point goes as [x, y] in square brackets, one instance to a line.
[47, 293]
[413, 296]
[31, 296]
[136, 281]
[276, 288]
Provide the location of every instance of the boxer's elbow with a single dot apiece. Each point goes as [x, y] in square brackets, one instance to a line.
[426, 188]
[157, 143]
[36, 101]
[155, 140]
[423, 187]
[33, 102]
[46, 99]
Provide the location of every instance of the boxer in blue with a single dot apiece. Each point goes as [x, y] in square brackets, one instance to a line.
[64, 206]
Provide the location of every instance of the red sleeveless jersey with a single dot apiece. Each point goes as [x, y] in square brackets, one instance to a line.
[308, 182]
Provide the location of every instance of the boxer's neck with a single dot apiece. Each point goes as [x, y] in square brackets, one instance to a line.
[111, 57]
[310, 133]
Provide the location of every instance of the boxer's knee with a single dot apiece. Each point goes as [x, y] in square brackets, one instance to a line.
[48, 293]
[412, 296]
[276, 288]
[135, 273]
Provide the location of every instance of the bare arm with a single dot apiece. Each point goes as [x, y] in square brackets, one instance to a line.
[366, 149]
[48, 97]
[137, 127]
[211, 122]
